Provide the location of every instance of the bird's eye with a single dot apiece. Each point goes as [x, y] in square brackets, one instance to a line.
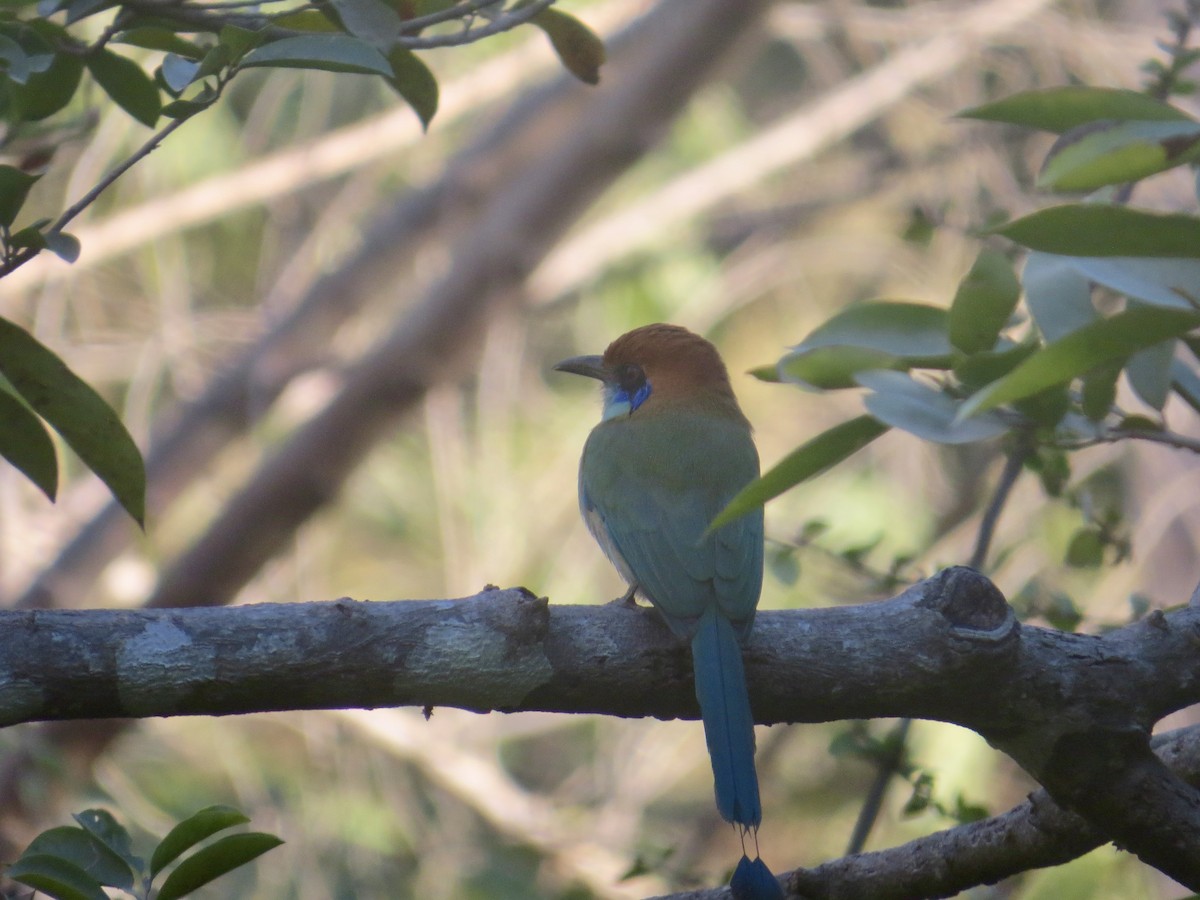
[630, 378]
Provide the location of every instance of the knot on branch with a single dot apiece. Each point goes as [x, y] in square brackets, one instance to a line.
[970, 602]
[519, 614]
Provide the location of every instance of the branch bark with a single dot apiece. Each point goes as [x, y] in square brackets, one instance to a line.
[1074, 710]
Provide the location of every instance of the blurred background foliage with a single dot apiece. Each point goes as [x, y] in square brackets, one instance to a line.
[877, 192]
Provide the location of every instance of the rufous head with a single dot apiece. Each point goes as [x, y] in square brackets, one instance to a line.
[656, 367]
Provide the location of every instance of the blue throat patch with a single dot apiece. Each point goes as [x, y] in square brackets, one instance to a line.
[618, 402]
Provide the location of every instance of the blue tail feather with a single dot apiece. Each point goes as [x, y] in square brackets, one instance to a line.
[752, 880]
[728, 723]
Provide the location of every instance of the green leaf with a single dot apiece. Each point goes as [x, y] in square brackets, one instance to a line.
[1186, 383]
[215, 860]
[82, 849]
[1149, 373]
[369, 20]
[873, 335]
[1062, 108]
[178, 72]
[50, 91]
[783, 565]
[313, 20]
[899, 328]
[184, 109]
[81, 9]
[1058, 295]
[966, 812]
[125, 82]
[1117, 337]
[413, 81]
[922, 795]
[154, 37]
[980, 369]
[984, 302]
[30, 237]
[1103, 153]
[1046, 408]
[26, 444]
[78, 413]
[191, 831]
[15, 63]
[64, 246]
[55, 877]
[833, 368]
[1088, 229]
[1053, 469]
[1061, 612]
[239, 41]
[930, 414]
[1100, 390]
[807, 461]
[581, 51]
[101, 825]
[14, 189]
[1163, 282]
[1086, 550]
[326, 52]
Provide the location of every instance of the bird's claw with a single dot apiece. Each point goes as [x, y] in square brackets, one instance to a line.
[626, 599]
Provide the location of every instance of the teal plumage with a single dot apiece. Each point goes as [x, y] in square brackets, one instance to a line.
[672, 449]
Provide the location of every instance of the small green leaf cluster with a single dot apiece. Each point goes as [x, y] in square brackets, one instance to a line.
[78, 863]
[1107, 290]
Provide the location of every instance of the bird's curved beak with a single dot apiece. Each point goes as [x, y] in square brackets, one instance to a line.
[591, 366]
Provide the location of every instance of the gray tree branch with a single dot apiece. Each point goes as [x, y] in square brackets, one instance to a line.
[1074, 710]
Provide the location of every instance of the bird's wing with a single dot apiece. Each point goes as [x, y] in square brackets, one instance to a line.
[648, 490]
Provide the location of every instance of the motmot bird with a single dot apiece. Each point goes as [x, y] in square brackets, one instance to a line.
[671, 450]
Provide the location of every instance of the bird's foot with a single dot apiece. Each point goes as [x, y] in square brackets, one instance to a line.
[626, 599]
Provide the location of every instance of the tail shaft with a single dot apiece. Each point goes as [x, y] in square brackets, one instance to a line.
[728, 723]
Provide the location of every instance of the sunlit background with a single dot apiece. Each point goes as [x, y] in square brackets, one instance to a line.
[821, 165]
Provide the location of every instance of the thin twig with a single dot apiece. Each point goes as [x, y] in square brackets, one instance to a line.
[888, 766]
[243, 4]
[458, 11]
[1112, 436]
[133, 159]
[209, 19]
[987, 525]
[18, 260]
[498, 25]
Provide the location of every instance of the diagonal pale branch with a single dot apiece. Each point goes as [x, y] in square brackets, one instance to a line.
[1074, 710]
[811, 129]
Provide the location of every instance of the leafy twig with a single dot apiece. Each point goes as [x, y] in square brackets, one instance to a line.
[501, 23]
[987, 525]
[19, 259]
[1113, 435]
